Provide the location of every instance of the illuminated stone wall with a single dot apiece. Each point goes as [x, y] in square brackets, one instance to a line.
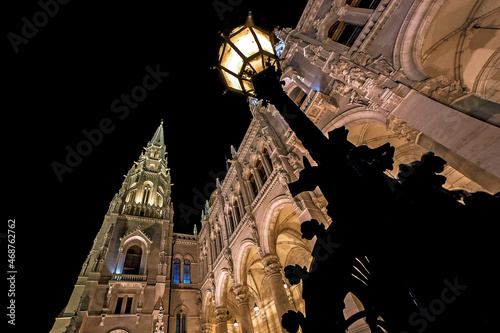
[392, 71]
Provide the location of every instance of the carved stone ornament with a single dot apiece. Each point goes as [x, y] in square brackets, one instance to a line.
[341, 88]
[221, 314]
[271, 264]
[441, 89]
[396, 125]
[380, 65]
[242, 295]
[294, 161]
[229, 259]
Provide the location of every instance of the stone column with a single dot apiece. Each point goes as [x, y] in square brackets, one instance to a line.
[241, 205]
[267, 164]
[256, 175]
[206, 328]
[242, 297]
[354, 15]
[272, 268]
[221, 317]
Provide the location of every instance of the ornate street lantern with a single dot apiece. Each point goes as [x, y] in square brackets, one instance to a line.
[246, 51]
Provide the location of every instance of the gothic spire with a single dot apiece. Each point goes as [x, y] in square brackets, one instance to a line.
[147, 186]
[158, 139]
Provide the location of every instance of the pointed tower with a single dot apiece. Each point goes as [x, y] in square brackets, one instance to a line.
[146, 188]
[126, 282]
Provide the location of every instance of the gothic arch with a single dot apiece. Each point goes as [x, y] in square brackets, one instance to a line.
[268, 226]
[118, 330]
[354, 117]
[240, 261]
[292, 249]
[180, 318]
[444, 38]
[181, 307]
[225, 297]
[408, 50]
[208, 310]
[221, 287]
[136, 238]
[189, 257]
[486, 84]
[323, 28]
[178, 255]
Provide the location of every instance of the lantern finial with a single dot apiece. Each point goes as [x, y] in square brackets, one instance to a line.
[249, 21]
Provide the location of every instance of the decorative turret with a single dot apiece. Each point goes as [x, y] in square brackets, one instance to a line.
[147, 185]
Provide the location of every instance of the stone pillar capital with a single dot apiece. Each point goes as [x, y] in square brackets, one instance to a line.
[242, 294]
[206, 328]
[221, 314]
[271, 263]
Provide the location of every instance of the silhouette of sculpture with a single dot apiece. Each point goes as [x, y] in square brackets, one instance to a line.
[404, 247]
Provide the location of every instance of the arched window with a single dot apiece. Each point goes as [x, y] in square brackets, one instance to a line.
[298, 96]
[230, 221]
[130, 196]
[262, 171]
[180, 322]
[177, 271]
[265, 156]
[128, 305]
[187, 271]
[344, 33]
[132, 260]
[218, 242]
[119, 304]
[253, 185]
[124, 304]
[236, 209]
[147, 193]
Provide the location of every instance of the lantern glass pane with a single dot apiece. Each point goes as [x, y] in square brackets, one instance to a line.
[264, 40]
[231, 80]
[245, 42]
[247, 85]
[257, 64]
[236, 29]
[231, 60]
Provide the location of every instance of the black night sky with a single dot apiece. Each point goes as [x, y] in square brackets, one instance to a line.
[63, 81]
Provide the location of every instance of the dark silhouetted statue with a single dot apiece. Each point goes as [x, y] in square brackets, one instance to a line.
[420, 258]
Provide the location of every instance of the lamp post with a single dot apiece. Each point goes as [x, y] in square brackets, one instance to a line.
[368, 208]
[249, 65]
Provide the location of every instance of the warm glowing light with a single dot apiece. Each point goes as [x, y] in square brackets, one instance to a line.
[235, 323]
[231, 60]
[245, 52]
[255, 308]
[245, 42]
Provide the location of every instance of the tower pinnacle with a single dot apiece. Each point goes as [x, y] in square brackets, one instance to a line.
[158, 137]
[147, 185]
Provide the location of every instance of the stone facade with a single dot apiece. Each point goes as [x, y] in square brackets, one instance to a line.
[140, 276]
[372, 66]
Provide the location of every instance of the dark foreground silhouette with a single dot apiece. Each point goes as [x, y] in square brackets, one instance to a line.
[418, 257]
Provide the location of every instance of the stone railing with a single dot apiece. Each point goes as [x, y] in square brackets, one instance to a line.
[129, 277]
